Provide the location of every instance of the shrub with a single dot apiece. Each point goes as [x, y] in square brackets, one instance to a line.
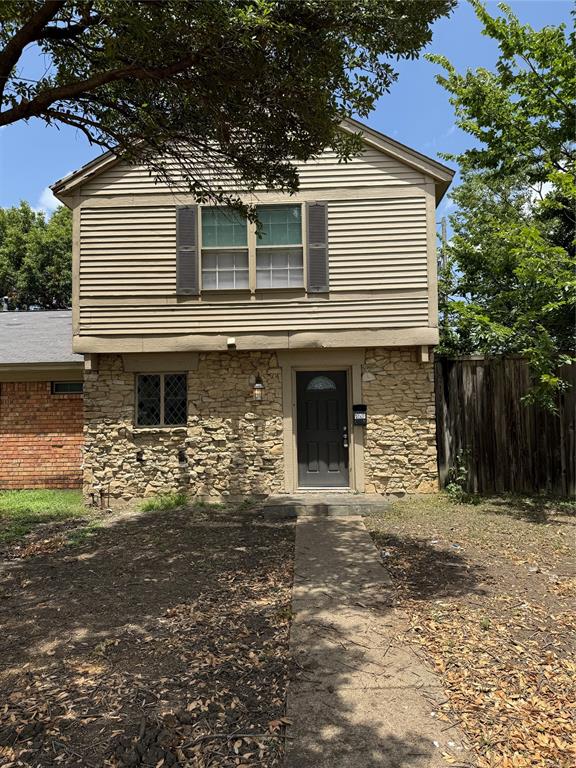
[164, 502]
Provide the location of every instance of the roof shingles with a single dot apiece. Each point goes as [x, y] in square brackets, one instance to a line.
[36, 337]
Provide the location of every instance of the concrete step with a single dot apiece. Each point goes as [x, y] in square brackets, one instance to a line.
[323, 505]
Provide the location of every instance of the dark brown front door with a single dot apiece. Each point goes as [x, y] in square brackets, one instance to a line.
[322, 429]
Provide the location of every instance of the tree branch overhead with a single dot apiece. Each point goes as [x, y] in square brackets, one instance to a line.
[266, 84]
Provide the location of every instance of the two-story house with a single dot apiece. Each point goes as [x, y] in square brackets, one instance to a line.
[229, 362]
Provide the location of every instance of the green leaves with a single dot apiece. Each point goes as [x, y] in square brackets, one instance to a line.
[523, 111]
[510, 282]
[259, 84]
[35, 257]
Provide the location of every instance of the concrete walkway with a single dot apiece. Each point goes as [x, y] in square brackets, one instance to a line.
[360, 697]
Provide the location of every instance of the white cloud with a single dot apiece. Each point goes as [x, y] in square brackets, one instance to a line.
[447, 205]
[47, 203]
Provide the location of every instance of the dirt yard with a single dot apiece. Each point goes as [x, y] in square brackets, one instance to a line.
[153, 639]
[490, 590]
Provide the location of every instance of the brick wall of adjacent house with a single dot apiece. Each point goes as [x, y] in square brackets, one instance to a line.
[230, 447]
[40, 437]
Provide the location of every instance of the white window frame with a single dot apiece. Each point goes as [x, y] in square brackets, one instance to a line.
[251, 247]
[161, 424]
[219, 249]
[284, 246]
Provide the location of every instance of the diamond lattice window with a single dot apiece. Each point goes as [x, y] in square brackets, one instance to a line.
[175, 409]
[161, 399]
[148, 400]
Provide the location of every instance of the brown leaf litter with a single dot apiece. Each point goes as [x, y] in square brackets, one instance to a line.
[492, 607]
[161, 641]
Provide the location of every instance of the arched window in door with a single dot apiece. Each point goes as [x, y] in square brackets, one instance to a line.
[321, 383]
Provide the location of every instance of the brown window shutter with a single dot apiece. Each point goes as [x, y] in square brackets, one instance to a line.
[187, 277]
[317, 218]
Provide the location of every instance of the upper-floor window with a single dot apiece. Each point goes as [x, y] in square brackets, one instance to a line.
[224, 250]
[235, 257]
[279, 252]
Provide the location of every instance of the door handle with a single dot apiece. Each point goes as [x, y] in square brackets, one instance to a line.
[345, 437]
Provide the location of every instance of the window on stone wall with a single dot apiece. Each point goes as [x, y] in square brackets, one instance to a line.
[161, 399]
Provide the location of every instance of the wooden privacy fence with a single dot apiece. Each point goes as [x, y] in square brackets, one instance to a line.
[504, 445]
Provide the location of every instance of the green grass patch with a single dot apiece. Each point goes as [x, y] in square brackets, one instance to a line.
[85, 533]
[164, 502]
[207, 506]
[21, 511]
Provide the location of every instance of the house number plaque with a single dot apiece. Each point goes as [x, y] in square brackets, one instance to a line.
[360, 415]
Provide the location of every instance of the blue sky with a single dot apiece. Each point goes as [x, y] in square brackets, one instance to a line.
[416, 112]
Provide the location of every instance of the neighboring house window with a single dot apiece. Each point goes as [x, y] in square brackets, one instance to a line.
[224, 250]
[279, 252]
[67, 387]
[234, 257]
[161, 399]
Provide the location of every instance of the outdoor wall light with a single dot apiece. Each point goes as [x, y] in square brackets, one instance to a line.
[257, 388]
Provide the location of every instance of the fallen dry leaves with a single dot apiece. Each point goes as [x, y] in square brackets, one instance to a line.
[164, 641]
[514, 699]
[500, 633]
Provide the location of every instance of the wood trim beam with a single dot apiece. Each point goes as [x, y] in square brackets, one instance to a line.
[315, 340]
[358, 433]
[432, 258]
[303, 195]
[226, 298]
[42, 372]
[160, 362]
[75, 270]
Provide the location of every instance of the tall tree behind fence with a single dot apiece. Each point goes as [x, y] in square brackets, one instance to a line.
[506, 446]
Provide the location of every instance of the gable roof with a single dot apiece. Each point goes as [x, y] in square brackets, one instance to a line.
[441, 174]
[32, 338]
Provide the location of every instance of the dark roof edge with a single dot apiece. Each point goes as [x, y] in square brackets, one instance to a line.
[58, 364]
[94, 164]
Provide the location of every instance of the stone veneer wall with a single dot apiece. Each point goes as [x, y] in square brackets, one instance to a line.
[232, 444]
[400, 440]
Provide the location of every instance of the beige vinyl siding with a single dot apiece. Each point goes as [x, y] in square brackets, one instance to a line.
[128, 251]
[377, 229]
[374, 244]
[253, 317]
[371, 168]
[377, 244]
